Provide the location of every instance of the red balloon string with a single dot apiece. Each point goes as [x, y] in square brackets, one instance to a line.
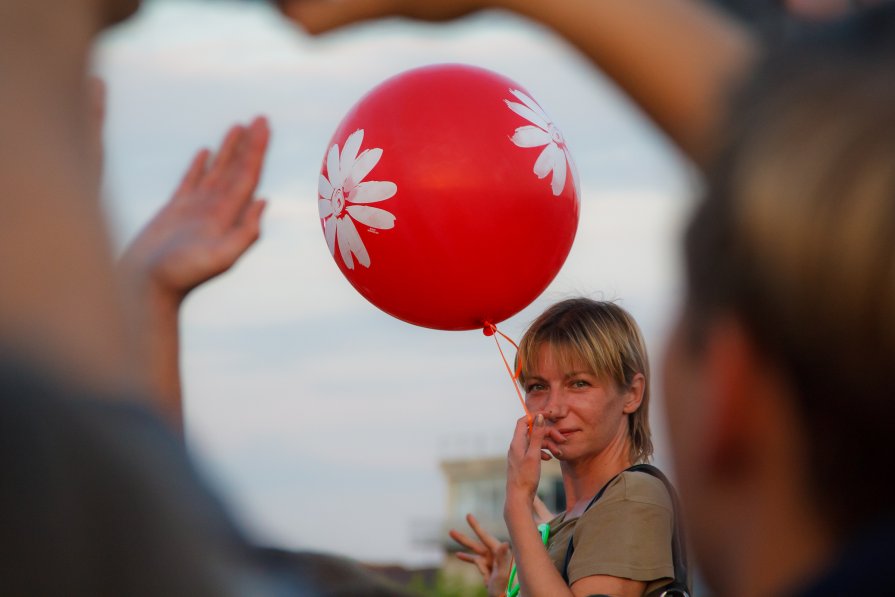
[491, 330]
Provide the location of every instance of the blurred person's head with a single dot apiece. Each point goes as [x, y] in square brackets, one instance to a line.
[61, 306]
[778, 376]
[596, 350]
[776, 20]
[757, 11]
[112, 12]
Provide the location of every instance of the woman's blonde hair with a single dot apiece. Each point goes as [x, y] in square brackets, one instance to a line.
[605, 338]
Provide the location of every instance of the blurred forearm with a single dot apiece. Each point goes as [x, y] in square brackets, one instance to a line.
[677, 59]
[155, 315]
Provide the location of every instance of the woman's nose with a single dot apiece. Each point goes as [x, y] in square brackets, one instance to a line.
[554, 408]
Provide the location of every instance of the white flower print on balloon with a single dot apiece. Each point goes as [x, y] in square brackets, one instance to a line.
[542, 132]
[344, 197]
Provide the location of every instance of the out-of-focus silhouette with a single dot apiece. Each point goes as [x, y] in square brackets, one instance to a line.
[778, 377]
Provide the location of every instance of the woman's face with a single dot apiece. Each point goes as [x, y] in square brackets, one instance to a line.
[590, 412]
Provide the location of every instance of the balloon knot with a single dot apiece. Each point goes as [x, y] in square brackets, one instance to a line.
[489, 329]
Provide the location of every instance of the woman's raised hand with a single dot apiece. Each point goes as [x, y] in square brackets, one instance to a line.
[491, 556]
[525, 456]
[319, 16]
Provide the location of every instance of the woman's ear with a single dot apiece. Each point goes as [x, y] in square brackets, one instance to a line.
[633, 395]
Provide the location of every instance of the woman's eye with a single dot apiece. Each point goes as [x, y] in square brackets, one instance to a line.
[580, 383]
[535, 387]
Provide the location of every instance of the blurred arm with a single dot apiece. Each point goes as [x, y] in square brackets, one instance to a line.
[677, 59]
[209, 223]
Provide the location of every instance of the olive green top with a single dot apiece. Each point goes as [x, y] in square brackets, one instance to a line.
[627, 533]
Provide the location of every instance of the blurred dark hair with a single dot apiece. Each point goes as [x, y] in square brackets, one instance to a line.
[795, 238]
[773, 20]
[765, 16]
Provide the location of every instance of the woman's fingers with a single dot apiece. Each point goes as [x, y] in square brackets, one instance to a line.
[554, 435]
[524, 462]
[519, 443]
[550, 446]
[503, 558]
[489, 540]
[536, 438]
[527, 445]
[552, 442]
[468, 543]
[548, 438]
[481, 563]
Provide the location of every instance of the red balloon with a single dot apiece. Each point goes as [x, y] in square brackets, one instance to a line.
[448, 198]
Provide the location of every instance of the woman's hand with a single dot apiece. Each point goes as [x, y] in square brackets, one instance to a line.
[524, 460]
[319, 16]
[492, 557]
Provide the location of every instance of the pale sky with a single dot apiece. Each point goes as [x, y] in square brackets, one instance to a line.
[321, 419]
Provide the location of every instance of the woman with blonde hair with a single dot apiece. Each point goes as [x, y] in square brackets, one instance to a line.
[584, 370]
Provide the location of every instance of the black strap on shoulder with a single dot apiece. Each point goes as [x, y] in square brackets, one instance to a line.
[680, 585]
[571, 548]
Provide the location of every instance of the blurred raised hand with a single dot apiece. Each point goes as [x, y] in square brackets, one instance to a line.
[210, 221]
[318, 16]
[208, 224]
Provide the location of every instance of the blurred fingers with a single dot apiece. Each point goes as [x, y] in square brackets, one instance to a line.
[229, 146]
[320, 16]
[245, 171]
[481, 563]
[467, 542]
[489, 540]
[240, 238]
[251, 219]
[194, 173]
